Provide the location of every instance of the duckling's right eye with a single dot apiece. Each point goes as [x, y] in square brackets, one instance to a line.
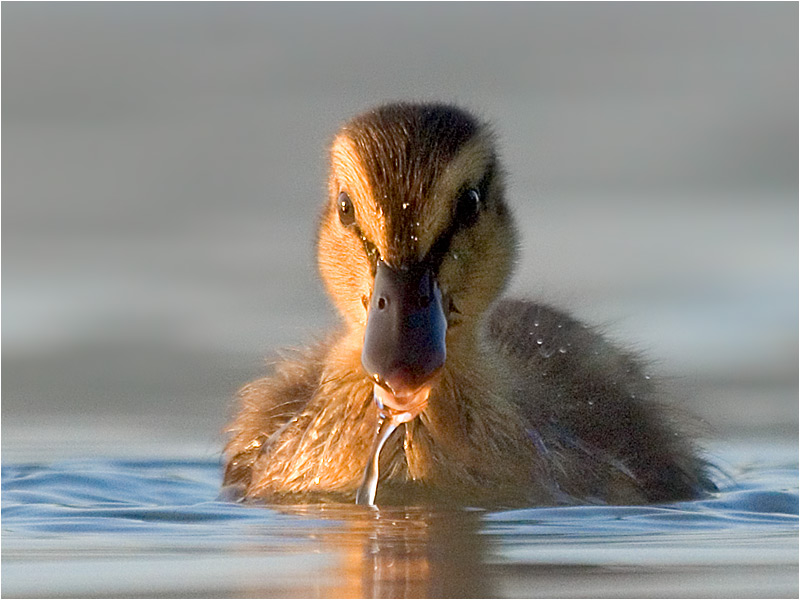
[347, 215]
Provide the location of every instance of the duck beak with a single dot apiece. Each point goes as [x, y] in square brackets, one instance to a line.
[404, 343]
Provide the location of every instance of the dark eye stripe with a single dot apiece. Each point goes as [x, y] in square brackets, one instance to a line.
[370, 249]
[347, 216]
[460, 221]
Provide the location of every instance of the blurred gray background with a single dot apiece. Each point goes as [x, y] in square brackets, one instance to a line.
[163, 165]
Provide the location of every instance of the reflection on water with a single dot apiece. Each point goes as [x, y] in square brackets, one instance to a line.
[406, 552]
[101, 527]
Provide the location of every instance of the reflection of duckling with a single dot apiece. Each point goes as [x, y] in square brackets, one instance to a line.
[496, 402]
[397, 552]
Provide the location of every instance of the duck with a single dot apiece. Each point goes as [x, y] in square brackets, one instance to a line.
[435, 388]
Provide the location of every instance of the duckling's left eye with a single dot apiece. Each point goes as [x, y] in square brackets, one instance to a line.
[346, 213]
[468, 206]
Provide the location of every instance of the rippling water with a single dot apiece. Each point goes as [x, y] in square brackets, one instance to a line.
[154, 527]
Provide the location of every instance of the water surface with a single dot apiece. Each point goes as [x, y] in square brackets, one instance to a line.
[154, 527]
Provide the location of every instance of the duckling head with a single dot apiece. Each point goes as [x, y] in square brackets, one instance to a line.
[415, 242]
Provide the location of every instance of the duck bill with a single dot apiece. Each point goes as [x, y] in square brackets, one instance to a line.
[404, 343]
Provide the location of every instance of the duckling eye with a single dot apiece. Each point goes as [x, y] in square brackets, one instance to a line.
[468, 206]
[346, 213]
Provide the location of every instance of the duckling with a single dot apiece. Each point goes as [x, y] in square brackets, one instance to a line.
[434, 389]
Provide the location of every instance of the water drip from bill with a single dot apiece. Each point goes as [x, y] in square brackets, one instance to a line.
[388, 420]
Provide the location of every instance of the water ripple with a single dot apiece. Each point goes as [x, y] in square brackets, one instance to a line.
[164, 496]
